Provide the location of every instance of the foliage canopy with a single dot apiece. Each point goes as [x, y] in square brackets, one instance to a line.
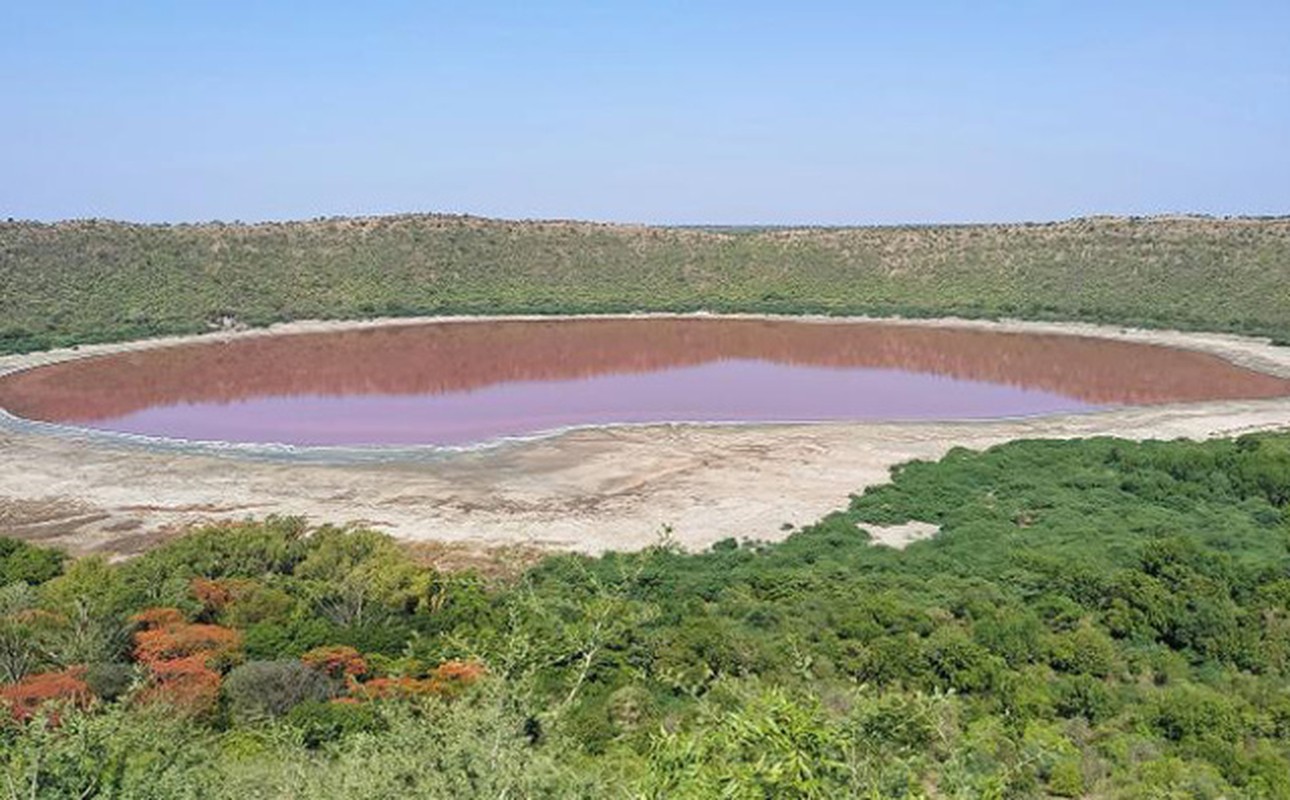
[1096, 618]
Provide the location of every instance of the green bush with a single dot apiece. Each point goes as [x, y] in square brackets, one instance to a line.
[1195, 712]
[323, 722]
[20, 562]
[110, 681]
[269, 689]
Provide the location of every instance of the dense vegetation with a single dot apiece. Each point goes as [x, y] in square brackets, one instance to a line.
[76, 282]
[1097, 618]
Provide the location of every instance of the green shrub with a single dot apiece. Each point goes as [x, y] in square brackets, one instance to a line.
[1190, 712]
[1066, 779]
[322, 722]
[267, 689]
[1085, 650]
[20, 562]
[1085, 696]
[110, 681]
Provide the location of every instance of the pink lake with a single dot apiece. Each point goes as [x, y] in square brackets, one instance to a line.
[458, 383]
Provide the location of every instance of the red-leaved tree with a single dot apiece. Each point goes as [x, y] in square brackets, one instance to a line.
[183, 659]
[447, 680]
[66, 688]
[336, 661]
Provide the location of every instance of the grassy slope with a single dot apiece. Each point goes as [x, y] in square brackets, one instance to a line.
[90, 281]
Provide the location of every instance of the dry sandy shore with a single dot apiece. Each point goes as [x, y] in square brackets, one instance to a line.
[588, 490]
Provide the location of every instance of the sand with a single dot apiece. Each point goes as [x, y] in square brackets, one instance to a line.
[589, 490]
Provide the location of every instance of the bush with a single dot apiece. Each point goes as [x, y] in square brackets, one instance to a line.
[320, 722]
[336, 661]
[109, 681]
[230, 550]
[184, 686]
[1067, 779]
[25, 698]
[1191, 712]
[631, 709]
[1085, 650]
[1131, 641]
[270, 689]
[258, 604]
[216, 645]
[20, 561]
[1084, 696]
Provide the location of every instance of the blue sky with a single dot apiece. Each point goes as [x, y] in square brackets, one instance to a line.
[661, 112]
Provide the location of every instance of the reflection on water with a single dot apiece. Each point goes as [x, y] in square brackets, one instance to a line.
[469, 381]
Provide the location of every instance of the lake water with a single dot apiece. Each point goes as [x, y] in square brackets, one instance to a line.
[458, 383]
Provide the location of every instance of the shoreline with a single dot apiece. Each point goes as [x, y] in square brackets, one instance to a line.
[1248, 351]
[588, 489]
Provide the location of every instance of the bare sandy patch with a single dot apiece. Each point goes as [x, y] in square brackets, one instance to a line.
[900, 536]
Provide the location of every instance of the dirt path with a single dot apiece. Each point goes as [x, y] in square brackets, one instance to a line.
[588, 490]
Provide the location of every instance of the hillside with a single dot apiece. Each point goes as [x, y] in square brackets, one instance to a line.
[83, 281]
[1097, 618]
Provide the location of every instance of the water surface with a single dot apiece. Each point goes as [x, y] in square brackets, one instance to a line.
[465, 382]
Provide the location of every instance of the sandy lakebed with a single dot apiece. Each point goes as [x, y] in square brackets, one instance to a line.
[589, 490]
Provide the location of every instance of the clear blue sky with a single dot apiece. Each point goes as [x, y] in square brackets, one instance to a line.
[662, 111]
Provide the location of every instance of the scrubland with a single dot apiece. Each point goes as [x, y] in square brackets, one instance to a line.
[1096, 618]
[85, 281]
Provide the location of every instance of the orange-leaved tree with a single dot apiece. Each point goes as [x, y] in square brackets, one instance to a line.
[447, 680]
[336, 661]
[187, 685]
[65, 688]
[216, 594]
[156, 618]
[218, 645]
[183, 658]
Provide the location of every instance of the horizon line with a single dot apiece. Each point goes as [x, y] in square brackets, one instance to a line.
[697, 226]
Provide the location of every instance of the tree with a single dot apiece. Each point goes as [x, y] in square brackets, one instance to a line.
[338, 662]
[182, 659]
[29, 695]
[358, 574]
[20, 562]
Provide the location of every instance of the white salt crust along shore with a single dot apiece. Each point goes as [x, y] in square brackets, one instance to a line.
[589, 489]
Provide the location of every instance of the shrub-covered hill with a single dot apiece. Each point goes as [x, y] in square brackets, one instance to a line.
[1096, 619]
[86, 281]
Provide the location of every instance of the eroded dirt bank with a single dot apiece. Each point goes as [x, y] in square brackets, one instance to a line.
[588, 490]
